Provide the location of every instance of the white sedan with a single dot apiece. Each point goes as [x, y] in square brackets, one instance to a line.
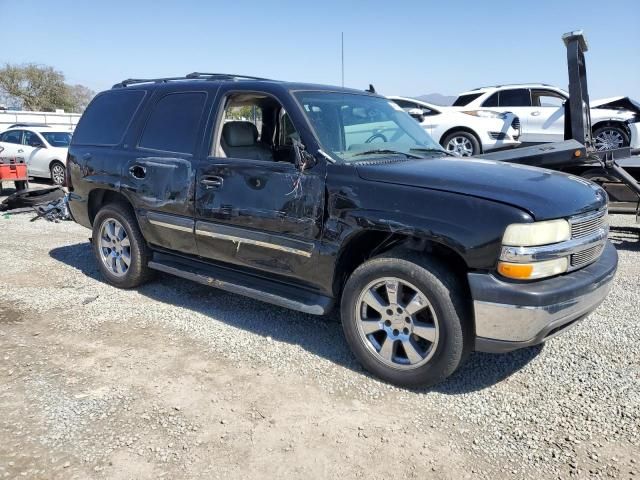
[44, 149]
[464, 132]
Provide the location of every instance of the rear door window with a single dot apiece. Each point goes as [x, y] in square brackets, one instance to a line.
[107, 118]
[174, 123]
[14, 136]
[517, 97]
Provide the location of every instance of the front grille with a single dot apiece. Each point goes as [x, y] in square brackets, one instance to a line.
[587, 256]
[498, 135]
[586, 225]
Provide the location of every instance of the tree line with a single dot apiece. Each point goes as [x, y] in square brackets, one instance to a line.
[40, 88]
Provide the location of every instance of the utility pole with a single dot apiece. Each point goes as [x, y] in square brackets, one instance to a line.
[342, 54]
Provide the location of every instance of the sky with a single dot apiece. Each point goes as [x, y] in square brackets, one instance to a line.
[405, 48]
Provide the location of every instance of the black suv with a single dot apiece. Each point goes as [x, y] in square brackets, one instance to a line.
[310, 197]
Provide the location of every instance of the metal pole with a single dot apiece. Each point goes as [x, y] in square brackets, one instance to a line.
[342, 54]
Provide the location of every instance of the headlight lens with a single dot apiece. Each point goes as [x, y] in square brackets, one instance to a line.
[486, 114]
[536, 233]
[534, 270]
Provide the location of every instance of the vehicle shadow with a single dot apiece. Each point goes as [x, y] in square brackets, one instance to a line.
[625, 238]
[321, 336]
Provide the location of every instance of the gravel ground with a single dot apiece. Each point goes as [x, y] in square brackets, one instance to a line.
[183, 380]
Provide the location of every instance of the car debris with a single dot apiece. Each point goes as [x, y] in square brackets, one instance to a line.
[55, 211]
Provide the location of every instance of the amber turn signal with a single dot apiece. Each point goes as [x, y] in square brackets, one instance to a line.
[515, 270]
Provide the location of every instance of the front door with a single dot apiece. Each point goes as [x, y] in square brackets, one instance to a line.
[546, 119]
[36, 154]
[254, 207]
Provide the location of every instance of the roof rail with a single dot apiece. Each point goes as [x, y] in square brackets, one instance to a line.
[190, 76]
[511, 85]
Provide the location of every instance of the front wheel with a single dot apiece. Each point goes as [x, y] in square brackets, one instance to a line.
[119, 247]
[405, 319]
[57, 173]
[610, 138]
[462, 144]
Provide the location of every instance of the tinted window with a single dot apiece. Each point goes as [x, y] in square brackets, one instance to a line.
[30, 138]
[463, 100]
[13, 136]
[518, 97]
[405, 103]
[547, 98]
[57, 139]
[107, 117]
[492, 101]
[173, 123]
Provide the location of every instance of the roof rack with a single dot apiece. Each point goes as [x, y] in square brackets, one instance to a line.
[511, 84]
[190, 76]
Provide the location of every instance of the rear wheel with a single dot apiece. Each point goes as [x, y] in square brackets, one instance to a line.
[120, 249]
[57, 172]
[405, 319]
[610, 138]
[462, 144]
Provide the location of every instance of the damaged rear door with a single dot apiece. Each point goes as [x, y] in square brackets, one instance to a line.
[265, 214]
[159, 175]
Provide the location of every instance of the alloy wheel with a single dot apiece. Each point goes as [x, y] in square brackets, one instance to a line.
[460, 146]
[609, 139]
[397, 323]
[115, 247]
[57, 174]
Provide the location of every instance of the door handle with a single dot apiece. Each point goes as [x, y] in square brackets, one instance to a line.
[21, 151]
[138, 171]
[212, 182]
[535, 114]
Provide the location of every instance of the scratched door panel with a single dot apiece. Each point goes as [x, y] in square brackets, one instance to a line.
[272, 213]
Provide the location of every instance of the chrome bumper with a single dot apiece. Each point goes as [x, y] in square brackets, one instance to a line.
[510, 315]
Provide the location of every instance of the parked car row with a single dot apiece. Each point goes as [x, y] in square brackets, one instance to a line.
[505, 116]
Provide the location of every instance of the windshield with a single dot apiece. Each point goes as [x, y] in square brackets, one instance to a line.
[353, 127]
[57, 139]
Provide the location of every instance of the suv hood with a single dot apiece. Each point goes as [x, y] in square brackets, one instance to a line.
[617, 103]
[542, 193]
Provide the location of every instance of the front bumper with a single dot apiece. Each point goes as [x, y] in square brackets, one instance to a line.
[510, 315]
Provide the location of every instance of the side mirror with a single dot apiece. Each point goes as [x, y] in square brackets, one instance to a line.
[416, 113]
[304, 159]
[36, 144]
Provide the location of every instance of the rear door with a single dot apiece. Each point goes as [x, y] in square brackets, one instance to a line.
[11, 144]
[159, 174]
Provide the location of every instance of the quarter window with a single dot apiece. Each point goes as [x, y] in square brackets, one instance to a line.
[107, 117]
[174, 122]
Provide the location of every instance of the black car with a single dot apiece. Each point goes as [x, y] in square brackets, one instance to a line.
[313, 197]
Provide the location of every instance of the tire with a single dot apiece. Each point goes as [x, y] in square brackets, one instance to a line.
[445, 318]
[463, 144]
[610, 137]
[57, 171]
[32, 197]
[130, 245]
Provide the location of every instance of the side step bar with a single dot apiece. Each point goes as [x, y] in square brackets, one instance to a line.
[233, 281]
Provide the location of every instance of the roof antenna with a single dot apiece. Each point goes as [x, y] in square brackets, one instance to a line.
[371, 89]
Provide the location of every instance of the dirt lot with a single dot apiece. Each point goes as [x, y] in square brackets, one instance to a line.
[178, 380]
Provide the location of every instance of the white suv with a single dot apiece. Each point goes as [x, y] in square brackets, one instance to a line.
[540, 109]
[464, 132]
[44, 149]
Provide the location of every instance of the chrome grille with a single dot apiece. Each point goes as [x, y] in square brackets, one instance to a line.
[586, 225]
[586, 256]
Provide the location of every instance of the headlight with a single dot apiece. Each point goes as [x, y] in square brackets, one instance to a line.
[536, 233]
[534, 270]
[486, 114]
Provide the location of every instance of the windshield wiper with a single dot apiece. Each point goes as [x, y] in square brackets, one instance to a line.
[432, 150]
[383, 151]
